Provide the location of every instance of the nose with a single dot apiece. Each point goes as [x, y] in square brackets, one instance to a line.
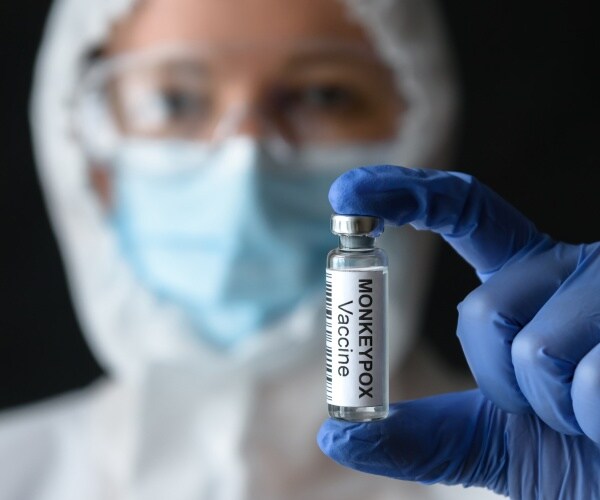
[241, 119]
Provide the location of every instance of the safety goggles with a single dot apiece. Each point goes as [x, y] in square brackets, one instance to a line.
[323, 94]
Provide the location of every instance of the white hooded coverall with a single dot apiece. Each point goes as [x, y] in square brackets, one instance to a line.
[174, 419]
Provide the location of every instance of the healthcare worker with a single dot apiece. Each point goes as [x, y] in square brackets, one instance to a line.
[186, 148]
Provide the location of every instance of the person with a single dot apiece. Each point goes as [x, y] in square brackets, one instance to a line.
[186, 148]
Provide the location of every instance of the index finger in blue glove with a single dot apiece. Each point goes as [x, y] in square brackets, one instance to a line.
[482, 227]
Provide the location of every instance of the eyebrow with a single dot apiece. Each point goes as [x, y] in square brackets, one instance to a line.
[347, 58]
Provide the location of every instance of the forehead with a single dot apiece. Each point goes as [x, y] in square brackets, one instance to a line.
[238, 22]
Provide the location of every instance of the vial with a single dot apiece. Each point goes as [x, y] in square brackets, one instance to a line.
[356, 321]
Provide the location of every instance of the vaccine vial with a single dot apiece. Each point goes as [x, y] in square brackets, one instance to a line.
[356, 321]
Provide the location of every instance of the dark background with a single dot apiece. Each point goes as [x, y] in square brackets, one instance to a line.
[529, 130]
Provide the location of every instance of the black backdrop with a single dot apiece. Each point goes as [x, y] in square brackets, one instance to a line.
[529, 130]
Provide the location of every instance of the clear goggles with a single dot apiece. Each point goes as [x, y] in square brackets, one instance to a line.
[325, 95]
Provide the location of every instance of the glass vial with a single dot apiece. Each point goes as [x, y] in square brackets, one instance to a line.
[356, 321]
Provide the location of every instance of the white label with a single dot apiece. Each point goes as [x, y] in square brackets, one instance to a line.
[356, 337]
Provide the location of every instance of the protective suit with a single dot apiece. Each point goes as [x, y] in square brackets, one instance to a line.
[177, 418]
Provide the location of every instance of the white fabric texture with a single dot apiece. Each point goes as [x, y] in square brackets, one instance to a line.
[175, 419]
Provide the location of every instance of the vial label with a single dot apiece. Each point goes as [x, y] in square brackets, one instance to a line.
[356, 337]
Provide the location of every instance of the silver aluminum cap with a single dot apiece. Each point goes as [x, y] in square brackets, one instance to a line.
[356, 225]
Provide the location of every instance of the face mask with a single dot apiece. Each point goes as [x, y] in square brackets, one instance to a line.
[236, 235]
[231, 236]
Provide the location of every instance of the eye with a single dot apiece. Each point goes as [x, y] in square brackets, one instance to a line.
[321, 98]
[178, 110]
[327, 96]
[179, 104]
[162, 109]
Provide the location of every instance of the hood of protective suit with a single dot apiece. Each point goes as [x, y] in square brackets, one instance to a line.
[127, 328]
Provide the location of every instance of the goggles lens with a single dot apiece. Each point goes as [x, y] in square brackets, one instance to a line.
[321, 98]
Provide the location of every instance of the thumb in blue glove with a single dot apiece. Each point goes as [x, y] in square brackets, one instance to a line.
[531, 335]
[463, 438]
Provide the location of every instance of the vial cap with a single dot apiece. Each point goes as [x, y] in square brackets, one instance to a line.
[356, 225]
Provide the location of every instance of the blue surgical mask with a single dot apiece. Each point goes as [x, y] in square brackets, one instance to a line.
[234, 237]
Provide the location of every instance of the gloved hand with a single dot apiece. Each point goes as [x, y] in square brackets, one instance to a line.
[531, 336]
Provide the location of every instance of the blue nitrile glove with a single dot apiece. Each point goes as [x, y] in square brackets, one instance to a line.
[531, 336]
